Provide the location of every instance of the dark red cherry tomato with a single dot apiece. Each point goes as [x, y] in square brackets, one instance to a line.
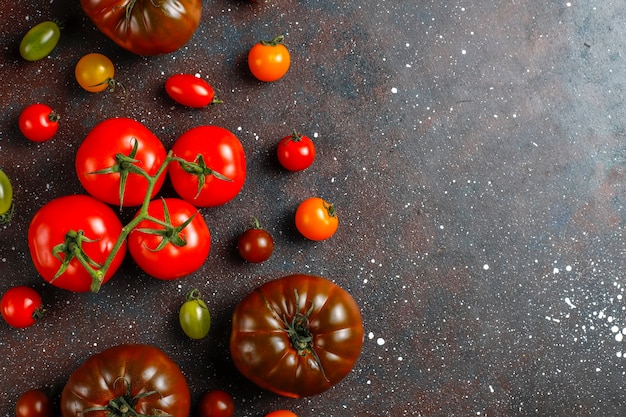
[216, 403]
[21, 306]
[38, 122]
[190, 91]
[255, 244]
[34, 403]
[296, 152]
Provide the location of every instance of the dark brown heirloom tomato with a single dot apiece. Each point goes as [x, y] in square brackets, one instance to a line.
[296, 336]
[126, 380]
[146, 27]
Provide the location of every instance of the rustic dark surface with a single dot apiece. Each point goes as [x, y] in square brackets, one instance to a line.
[476, 155]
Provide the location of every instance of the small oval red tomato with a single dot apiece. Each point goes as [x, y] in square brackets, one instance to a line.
[281, 413]
[296, 152]
[216, 403]
[210, 166]
[21, 306]
[190, 91]
[69, 221]
[316, 219]
[38, 122]
[269, 60]
[255, 244]
[172, 251]
[296, 336]
[34, 403]
[103, 161]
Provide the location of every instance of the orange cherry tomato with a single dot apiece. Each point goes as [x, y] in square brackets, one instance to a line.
[316, 219]
[94, 72]
[269, 60]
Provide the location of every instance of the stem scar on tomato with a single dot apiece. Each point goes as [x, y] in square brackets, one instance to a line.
[124, 405]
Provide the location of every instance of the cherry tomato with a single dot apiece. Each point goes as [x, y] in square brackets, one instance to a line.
[40, 40]
[194, 316]
[216, 403]
[190, 91]
[316, 219]
[269, 60]
[281, 413]
[94, 72]
[296, 152]
[255, 244]
[34, 403]
[6, 199]
[172, 251]
[21, 306]
[211, 166]
[38, 122]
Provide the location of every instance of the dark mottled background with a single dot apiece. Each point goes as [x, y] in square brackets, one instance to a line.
[475, 151]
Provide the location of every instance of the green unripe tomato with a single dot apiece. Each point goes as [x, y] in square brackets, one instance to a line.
[6, 198]
[194, 316]
[40, 40]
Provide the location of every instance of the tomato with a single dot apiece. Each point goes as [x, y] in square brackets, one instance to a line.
[216, 403]
[194, 316]
[297, 335]
[255, 244]
[211, 166]
[109, 155]
[281, 413]
[21, 306]
[139, 378]
[94, 72]
[146, 27]
[6, 199]
[38, 122]
[40, 40]
[190, 91]
[174, 251]
[296, 152]
[64, 225]
[269, 60]
[316, 219]
[34, 403]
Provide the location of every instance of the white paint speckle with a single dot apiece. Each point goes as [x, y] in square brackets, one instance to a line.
[380, 341]
[486, 267]
[394, 90]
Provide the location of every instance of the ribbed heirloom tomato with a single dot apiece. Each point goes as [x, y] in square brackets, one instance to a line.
[296, 336]
[127, 380]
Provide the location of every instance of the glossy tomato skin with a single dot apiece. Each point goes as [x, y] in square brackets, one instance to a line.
[296, 152]
[316, 219]
[222, 154]
[194, 316]
[216, 403]
[170, 261]
[6, 198]
[263, 351]
[189, 90]
[269, 60]
[146, 27]
[55, 219]
[127, 371]
[255, 244]
[94, 72]
[38, 122]
[98, 152]
[34, 403]
[281, 413]
[40, 40]
[21, 306]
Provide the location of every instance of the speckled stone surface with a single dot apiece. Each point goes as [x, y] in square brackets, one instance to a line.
[476, 154]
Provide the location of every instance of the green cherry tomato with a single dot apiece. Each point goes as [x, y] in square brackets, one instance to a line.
[40, 40]
[194, 316]
[6, 198]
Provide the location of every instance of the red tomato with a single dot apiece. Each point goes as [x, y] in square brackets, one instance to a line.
[316, 219]
[190, 91]
[216, 403]
[255, 244]
[281, 413]
[175, 251]
[296, 152]
[34, 403]
[139, 378]
[211, 166]
[38, 122]
[110, 178]
[21, 306]
[146, 27]
[61, 224]
[296, 336]
[269, 60]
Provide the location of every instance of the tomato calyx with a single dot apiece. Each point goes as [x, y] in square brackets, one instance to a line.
[273, 42]
[72, 248]
[124, 405]
[200, 170]
[170, 233]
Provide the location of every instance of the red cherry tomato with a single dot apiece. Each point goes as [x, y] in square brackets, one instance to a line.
[216, 403]
[38, 122]
[190, 91]
[34, 403]
[21, 306]
[316, 219]
[255, 244]
[269, 60]
[296, 152]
